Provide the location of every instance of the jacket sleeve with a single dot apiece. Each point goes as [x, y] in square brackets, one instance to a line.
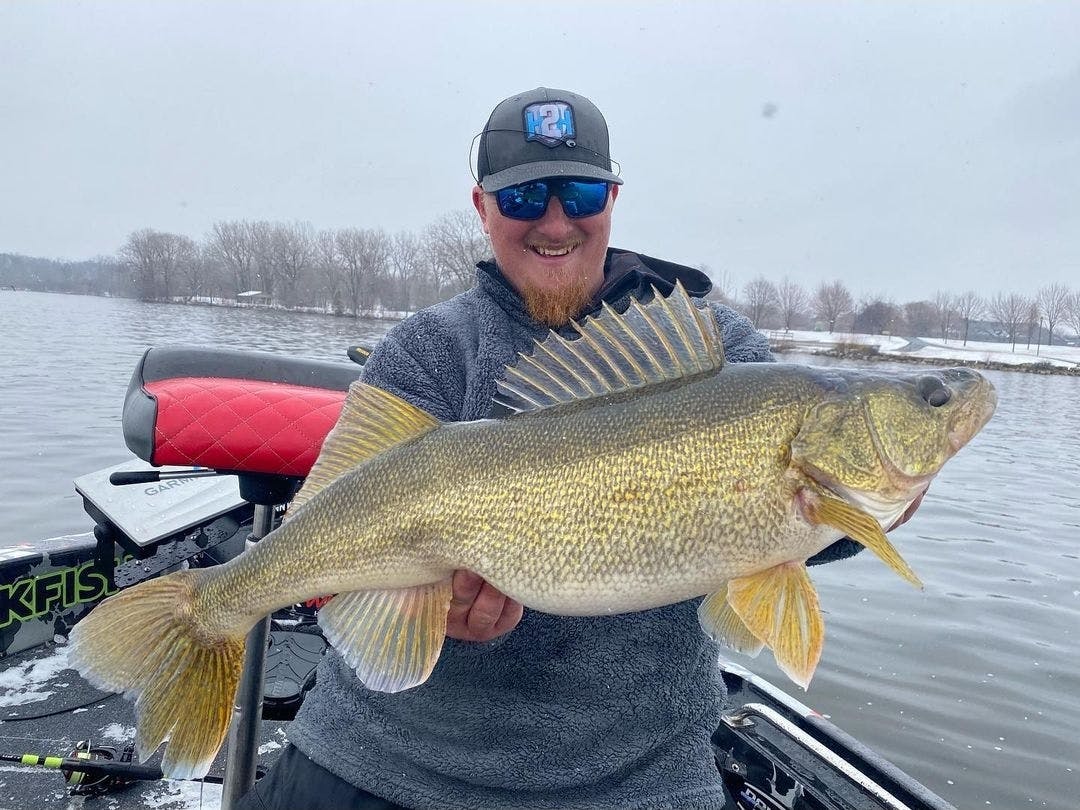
[742, 342]
[407, 363]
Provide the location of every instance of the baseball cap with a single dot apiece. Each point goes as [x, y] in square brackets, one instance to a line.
[543, 133]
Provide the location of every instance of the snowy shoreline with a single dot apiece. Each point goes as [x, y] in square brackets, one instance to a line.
[1063, 360]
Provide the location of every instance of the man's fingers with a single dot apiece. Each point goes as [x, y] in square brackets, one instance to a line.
[511, 615]
[478, 610]
[486, 609]
[465, 587]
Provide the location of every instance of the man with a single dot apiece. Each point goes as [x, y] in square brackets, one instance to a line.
[524, 709]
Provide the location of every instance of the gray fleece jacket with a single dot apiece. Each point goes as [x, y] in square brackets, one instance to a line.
[563, 712]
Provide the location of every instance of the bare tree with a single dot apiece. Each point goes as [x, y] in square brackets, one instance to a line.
[328, 269]
[454, 244]
[139, 255]
[1072, 312]
[1010, 311]
[793, 301]
[261, 236]
[363, 254]
[1033, 320]
[723, 284]
[921, 318]
[878, 316]
[761, 297]
[969, 305]
[232, 243]
[157, 260]
[292, 255]
[831, 302]
[945, 304]
[1053, 301]
[406, 262]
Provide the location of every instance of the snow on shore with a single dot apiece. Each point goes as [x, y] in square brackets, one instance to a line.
[933, 348]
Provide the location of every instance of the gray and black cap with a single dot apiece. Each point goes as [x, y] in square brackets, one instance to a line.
[543, 133]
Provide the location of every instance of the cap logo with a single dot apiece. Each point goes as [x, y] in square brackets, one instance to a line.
[550, 122]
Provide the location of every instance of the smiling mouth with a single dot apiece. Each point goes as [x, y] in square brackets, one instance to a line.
[553, 251]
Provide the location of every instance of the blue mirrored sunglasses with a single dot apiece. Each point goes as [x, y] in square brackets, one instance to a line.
[579, 198]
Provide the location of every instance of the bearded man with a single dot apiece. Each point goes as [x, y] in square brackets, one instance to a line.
[524, 709]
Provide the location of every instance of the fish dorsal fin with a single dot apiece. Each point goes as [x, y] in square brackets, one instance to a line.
[371, 421]
[666, 339]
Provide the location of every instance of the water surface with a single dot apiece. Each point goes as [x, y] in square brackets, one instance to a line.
[972, 685]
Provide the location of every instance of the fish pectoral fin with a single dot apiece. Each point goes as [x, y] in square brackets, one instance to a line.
[392, 638]
[860, 526]
[722, 624]
[780, 606]
[371, 421]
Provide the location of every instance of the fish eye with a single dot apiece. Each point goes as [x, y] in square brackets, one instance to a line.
[933, 391]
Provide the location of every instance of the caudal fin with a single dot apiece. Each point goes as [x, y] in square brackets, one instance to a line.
[145, 642]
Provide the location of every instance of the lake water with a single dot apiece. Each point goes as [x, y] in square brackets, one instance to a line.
[972, 685]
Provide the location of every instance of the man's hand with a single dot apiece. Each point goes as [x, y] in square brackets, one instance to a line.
[478, 611]
[904, 518]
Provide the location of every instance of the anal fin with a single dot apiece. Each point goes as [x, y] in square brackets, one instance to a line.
[392, 638]
[780, 606]
[722, 624]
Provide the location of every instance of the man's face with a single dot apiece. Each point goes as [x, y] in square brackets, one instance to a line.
[556, 264]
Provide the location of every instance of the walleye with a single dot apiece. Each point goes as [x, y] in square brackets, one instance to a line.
[638, 471]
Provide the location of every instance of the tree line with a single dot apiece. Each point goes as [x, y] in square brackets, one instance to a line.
[1002, 317]
[365, 271]
[348, 271]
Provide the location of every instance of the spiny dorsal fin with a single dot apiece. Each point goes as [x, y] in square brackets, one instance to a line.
[666, 339]
[371, 421]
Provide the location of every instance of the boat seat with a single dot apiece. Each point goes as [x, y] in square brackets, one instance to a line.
[235, 411]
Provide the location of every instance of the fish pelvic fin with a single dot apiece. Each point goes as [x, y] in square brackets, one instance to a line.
[722, 624]
[144, 642]
[661, 341]
[780, 606]
[858, 525]
[371, 421]
[392, 638]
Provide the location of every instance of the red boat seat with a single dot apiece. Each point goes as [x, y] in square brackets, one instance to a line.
[251, 412]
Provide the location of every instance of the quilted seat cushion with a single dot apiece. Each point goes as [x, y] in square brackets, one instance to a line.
[241, 425]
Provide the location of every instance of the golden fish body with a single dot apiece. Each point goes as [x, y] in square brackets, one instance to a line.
[640, 472]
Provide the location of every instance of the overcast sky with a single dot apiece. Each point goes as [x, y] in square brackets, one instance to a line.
[903, 148]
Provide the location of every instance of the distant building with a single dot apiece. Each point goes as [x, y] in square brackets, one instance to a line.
[256, 297]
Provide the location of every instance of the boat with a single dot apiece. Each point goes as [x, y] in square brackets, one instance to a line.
[222, 440]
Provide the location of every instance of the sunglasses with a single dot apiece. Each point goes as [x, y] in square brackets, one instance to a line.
[579, 198]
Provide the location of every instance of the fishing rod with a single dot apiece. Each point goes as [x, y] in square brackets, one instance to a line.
[95, 770]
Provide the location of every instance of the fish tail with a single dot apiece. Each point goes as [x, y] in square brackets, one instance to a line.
[148, 642]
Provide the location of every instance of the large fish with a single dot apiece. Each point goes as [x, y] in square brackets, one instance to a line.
[639, 471]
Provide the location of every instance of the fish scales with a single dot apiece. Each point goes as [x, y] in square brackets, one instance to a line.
[558, 508]
[639, 471]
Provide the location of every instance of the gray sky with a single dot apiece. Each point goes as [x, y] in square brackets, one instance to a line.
[904, 148]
